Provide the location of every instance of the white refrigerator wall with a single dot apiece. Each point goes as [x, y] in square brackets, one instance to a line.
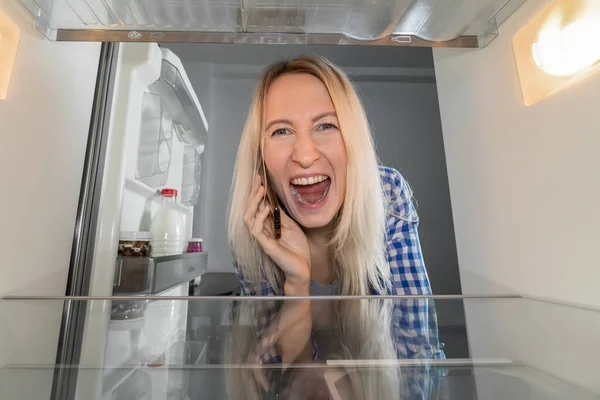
[44, 125]
[524, 181]
[553, 338]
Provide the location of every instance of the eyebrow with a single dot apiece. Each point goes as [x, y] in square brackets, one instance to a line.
[288, 122]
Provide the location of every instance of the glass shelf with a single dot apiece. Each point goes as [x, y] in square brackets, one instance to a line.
[431, 20]
[152, 276]
[402, 347]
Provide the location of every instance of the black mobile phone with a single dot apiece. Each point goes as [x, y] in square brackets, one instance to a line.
[272, 198]
[273, 202]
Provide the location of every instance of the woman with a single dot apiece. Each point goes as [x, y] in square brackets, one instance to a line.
[348, 226]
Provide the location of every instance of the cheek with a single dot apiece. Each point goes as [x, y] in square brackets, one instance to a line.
[339, 161]
[275, 160]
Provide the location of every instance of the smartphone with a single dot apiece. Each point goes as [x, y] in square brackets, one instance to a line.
[272, 201]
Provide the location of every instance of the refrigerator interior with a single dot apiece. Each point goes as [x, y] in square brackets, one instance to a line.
[475, 83]
[222, 79]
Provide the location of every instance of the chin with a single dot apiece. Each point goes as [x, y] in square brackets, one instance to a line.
[314, 221]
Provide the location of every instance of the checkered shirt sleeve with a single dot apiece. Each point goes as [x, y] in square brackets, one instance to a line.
[414, 323]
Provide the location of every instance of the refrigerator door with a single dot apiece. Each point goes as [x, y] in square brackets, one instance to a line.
[157, 129]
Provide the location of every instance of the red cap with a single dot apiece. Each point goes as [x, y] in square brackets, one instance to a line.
[169, 192]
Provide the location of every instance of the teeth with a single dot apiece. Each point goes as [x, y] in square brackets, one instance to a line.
[309, 181]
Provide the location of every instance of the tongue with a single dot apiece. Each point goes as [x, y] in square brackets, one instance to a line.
[312, 193]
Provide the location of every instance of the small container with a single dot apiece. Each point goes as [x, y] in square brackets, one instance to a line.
[126, 310]
[135, 244]
[195, 245]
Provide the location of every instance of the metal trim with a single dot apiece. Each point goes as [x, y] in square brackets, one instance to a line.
[395, 40]
[70, 337]
[255, 298]
[404, 363]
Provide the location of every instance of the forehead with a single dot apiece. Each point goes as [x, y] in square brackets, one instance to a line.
[297, 95]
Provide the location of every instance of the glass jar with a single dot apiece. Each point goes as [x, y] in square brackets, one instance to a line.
[195, 245]
[135, 244]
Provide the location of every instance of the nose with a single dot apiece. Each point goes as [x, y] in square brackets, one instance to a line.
[305, 152]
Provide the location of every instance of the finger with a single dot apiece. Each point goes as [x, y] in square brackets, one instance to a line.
[249, 214]
[261, 209]
[256, 183]
[256, 372]
[256, 196]
[257, 180]
[249, 384]
[253, 207]
[257, 228]
[261, 378]
[269, 224]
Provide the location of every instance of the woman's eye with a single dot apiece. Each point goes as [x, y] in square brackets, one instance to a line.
[282, 131]
[326, 127]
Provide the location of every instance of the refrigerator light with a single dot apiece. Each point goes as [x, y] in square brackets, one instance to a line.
[557, 48]
[9, 40]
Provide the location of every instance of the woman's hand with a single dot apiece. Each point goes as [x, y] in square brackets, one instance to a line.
[291, 252]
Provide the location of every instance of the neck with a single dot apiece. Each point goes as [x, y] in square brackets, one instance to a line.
[320, 256]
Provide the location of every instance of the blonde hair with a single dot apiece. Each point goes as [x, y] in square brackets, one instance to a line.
[358, 242]
[360, 330]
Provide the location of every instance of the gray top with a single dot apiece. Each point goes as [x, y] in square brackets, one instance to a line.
[320, 290]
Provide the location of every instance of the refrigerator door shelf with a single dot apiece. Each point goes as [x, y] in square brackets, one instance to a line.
[174, 86]
[170, 105]
[154, 276]
[156, 142]
[191, 176]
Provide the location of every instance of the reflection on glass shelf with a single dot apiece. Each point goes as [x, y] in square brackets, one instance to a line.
[169, 376]
[346, 348]
[154, 275]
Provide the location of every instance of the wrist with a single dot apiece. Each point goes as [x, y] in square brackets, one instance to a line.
[297, 287]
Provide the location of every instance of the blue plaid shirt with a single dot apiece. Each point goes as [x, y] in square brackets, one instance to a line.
[404, 256]
[414, 322]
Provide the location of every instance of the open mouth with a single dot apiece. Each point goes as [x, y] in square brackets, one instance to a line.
[311, 190]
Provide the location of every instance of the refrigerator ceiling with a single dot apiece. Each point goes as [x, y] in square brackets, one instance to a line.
[456, 23]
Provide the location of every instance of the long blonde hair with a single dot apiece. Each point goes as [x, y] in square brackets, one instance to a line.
[358, 242]
[361, 329]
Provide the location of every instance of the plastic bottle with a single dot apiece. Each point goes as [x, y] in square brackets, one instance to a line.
[167, 227]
